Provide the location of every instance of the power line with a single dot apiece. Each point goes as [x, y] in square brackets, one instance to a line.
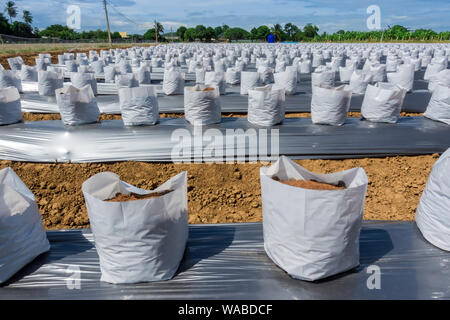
[121, 14]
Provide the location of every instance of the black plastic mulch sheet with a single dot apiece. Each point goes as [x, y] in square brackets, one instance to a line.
[173, 139]
[229, 262]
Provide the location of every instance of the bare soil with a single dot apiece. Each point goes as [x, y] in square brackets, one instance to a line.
[120, 197]
[56, 116]
[221, 193]
[311, 184]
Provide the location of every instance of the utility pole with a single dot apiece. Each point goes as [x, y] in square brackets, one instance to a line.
[107, 23]
[156, 31]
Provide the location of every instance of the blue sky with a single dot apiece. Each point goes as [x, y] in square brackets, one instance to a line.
[330, 16]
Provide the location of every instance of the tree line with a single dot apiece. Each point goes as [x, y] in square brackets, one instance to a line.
[9, 25]
[15, 27]
[309, 33]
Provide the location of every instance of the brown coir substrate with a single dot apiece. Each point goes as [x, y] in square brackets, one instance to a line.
[221, 193]
[120, 197]
[311, 184]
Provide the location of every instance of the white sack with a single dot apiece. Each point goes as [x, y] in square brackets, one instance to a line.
[266, 106]
[9, 78]
[126, 81]
[202, 107]
[10, 106]
[383, 102]
[323, 78]
[110, 74]
[233, 76]
[359, 81]
[216, 79]
[173, 82]
[144, 75]
[49, 82]
[330, 105]
[305, 66]
[433, 215]
[15, 63]
[22, 236]
[286, 80]
[441, 78]
[77, 106]
[71, 66]
[249, 80]
[439, 106]
[142, 240]
[345, 73]
[28, 73]
[404, 77]
[312, 234]
[139, 106]
[266, 75]
[432, 69]
[80, 80]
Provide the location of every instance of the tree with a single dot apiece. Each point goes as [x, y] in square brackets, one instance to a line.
[5, 27]
[310, 31]
[180, 32]
[397, 32]
[22, 29]
[262, 32]
[11, 10]
[200, 32]
[27, 17]
[150, 33]
[299, 35]
[209, 34]
[218, 32]
[190, 34]
[159, 27]
[236, 34]
[277, 31]
[290, 30]
[60, 32]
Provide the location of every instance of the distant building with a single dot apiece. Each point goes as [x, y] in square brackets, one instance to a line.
[123, 35]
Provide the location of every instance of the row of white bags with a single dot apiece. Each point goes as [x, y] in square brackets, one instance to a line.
[293, 234]
[139, 105]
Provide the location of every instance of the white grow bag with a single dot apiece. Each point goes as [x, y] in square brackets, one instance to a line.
[139, 106]
[383, 102]
[266, 106]
[10, 106]
[433, 215]
[137, 241]
[330, 105]
[439, 106]
[202, 107]
[22, 236]
[312, 234]
[77, 106]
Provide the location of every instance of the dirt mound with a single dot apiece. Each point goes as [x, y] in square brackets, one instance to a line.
[311, 184]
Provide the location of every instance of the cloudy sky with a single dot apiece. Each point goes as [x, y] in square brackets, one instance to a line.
[136, 16]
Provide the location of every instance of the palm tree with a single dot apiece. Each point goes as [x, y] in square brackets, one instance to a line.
[277, 31]
[11, 9]
[158, 30]
[27, 17]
